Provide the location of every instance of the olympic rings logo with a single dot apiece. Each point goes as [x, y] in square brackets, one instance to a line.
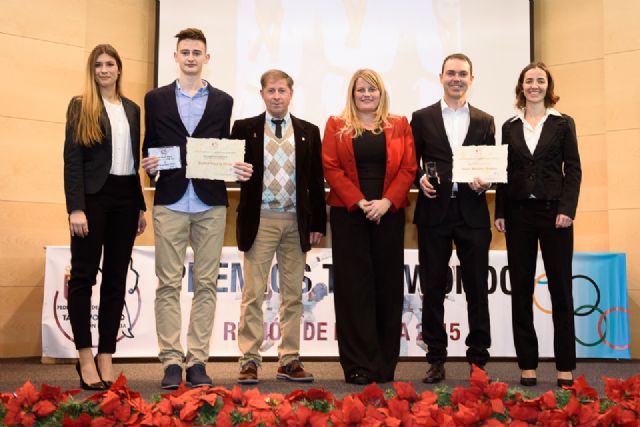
[586, 310]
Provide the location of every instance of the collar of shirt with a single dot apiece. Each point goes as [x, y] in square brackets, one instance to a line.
[445, 108]
[201, 92]
[548, 112]
[286, 118]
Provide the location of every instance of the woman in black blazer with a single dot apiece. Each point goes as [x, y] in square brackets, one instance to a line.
[105, 205]
[538, 204]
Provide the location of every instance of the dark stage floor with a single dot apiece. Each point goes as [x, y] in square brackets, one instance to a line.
[144, 376]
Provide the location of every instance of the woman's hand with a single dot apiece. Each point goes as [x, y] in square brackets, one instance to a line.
[142, 223]
[78, 224]
[377, 209]
[499, 223]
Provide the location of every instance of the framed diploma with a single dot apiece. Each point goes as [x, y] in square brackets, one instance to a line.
[487, 162]
[211, 158]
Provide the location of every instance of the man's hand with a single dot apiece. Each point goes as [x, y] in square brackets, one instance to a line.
[150, 165]
[427, 188]
[500, 226]
[243, 171]
[478, 185]
[314, 237]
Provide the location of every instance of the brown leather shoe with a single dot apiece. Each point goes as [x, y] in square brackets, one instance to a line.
[294, 371]
[248, 373]
[435, 374]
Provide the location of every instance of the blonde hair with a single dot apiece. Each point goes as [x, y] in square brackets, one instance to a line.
[352, 123]
[87, 117]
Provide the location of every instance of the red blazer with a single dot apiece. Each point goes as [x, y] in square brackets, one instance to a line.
[341, 173]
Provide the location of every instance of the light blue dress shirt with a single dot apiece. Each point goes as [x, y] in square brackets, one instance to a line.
[191, 109]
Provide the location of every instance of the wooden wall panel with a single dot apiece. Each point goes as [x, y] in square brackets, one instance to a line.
[624, 237]
[623, 158]
[128, 25]
[593, 159]
[25, 229]
[622, 93]
[34, 18]
[621, 25]
[31, 165]
[585, 106]
[38, 86]
[568, 31]
[591, 233]
[20, 334]
[634, 320]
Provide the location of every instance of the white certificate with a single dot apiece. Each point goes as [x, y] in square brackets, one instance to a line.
[169, 157]
[487, 162]
[211, 158]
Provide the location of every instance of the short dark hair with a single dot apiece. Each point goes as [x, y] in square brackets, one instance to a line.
[191, 34]
[275, 75]
[550, 98]
[460, 56]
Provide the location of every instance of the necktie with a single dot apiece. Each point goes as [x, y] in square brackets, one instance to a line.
[278, 123]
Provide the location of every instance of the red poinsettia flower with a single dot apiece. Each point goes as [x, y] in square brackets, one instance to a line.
[84, 420]
[582, 389]
[398, 408]
[479, 377]
[496, 390]
[372, 395]
[405, 391]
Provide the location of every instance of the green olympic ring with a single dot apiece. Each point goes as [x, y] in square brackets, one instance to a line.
[603, 336]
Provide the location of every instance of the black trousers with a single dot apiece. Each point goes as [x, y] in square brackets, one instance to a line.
[112, 215]
[529, 222]
[368, 271]
[435, 246]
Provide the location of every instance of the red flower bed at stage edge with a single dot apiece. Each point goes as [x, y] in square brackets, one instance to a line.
[480, 404]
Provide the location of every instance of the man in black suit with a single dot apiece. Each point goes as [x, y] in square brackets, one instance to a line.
[282, 212]
[187, 211]
[452, 213]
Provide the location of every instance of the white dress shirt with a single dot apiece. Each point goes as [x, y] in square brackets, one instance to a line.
[456, 124]
[532, 133]
[121, 154]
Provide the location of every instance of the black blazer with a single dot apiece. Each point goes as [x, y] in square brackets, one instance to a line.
[310, 205]
[552, 172]
[164, 128]
[86, 168]
[432, 144]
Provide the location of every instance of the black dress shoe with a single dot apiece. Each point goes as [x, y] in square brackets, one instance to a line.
[528, 381]
[435, 374]
[107, 384]
[358, 378]
[172, 377]
[92, 387]
[197, 376]
[564, 382]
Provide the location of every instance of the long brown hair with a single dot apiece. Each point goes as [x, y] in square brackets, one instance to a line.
[87, 117]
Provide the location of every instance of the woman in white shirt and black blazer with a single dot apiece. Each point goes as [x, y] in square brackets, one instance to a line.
[538, 204]
[105, 205]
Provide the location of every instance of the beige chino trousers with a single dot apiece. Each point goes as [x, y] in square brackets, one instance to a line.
[278, 234]
[173, 232]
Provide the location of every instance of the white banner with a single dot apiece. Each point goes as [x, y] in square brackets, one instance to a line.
[137, 337]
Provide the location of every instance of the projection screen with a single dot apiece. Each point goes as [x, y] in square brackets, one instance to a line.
[321, 43]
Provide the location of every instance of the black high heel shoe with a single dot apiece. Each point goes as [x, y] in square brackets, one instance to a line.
[107, 384]
[92, 387]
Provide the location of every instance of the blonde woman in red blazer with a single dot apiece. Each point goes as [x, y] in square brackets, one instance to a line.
[369, 163]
